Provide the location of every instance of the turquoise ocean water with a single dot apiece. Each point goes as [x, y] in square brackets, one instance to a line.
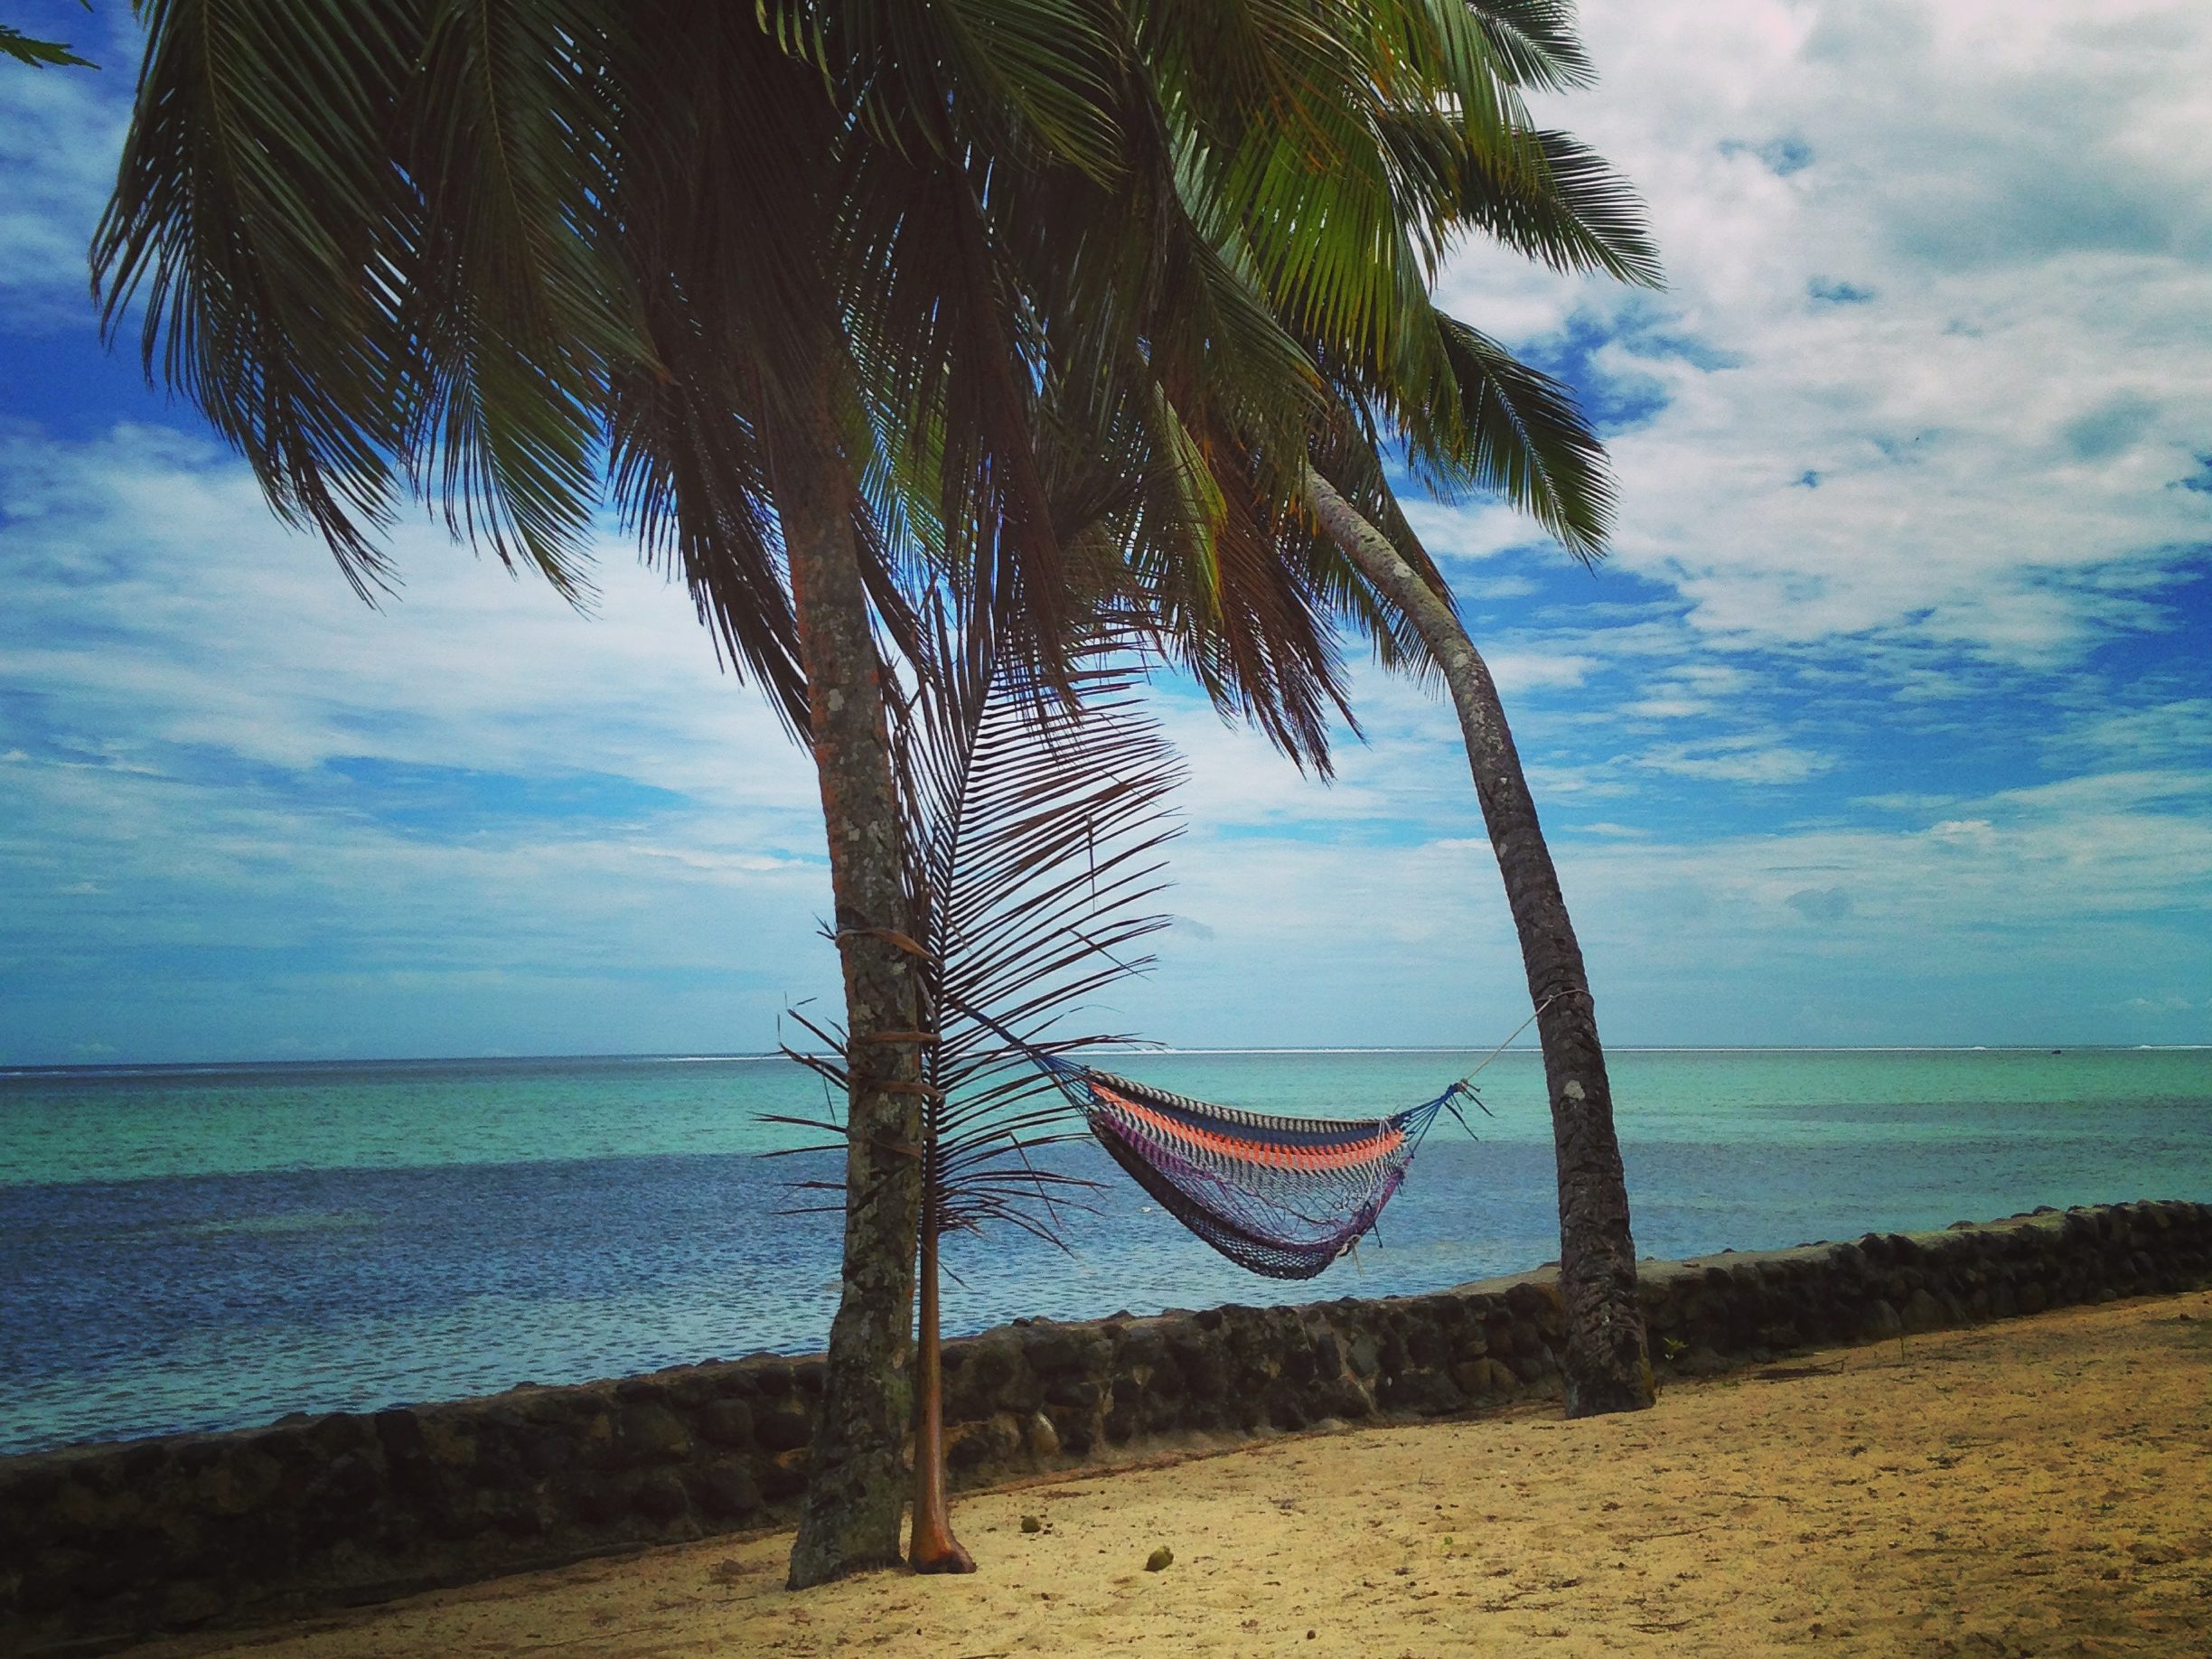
[209, 1247]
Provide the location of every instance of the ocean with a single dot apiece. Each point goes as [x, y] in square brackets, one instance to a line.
[211, 1247]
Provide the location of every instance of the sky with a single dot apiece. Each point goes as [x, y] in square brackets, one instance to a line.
[1886, 722]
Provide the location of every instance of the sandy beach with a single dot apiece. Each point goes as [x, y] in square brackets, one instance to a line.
[2036, 1486]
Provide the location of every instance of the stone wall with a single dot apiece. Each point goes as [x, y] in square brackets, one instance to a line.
[104, 1543]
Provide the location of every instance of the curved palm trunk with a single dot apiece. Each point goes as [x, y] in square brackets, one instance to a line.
[856, 1485]
[1608, 1364]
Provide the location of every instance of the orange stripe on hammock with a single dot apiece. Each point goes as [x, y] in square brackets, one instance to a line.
[1346, 1156]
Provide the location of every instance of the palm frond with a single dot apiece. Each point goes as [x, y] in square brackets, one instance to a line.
[1534, 42]
[511, 292]
[255, 219]
[1518, 433]
[1038, 815]
[1551, 198]
[41, 54]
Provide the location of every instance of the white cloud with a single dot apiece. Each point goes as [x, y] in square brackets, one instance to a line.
[185, 868]
[1530, 671]
[2177, 731]
[239, 635]
[60, 131]
[1990, 928]
[2024, 193]
[1735, 760]
[1473, 531]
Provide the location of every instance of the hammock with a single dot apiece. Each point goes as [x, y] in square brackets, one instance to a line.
[1282, 1196]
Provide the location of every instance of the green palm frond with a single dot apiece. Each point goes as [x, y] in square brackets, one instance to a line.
[1534, 42]
[1582, 217]
[508, 257]
[516, 308]
[255, 198]
[1517, 433]
[1553, 200]
[688, 477]
[1439, 145]
[41, 54]
[934, 72]
[1037, 819]
[952, 365]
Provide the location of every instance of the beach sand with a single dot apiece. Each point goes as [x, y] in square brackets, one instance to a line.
[2038, 1486]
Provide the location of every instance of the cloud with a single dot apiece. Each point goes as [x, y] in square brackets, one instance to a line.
[239, 789]
[1988, 927]
[2002, 215]
[2159, 1005]
[1528, 670]
[1820, 904]
[1735, 760]
[2179, 730]
[60, 132]
[1463, 532]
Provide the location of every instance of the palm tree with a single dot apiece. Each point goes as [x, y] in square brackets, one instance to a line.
[758, 273]
[818, 291]
[1035, 825]
[1340, 245]
[497, 256]
[1607, 1366]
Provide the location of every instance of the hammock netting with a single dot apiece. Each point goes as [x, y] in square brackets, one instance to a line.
[1281, 1196]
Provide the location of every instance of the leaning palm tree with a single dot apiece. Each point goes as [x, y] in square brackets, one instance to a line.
[1410, 174]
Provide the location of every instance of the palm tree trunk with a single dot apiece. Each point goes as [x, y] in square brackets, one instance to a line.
[935, 1549]
[856, 1484]
[1608, 1364]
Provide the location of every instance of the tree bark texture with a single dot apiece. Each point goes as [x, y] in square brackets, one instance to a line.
[855, 1481]
[1607, 1362]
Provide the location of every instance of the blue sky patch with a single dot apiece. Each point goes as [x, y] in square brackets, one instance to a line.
[1780, 156]
[1613, 400]
[450, 801]
[1826, 290]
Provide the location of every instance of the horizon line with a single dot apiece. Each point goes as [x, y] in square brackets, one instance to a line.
[52, 1068]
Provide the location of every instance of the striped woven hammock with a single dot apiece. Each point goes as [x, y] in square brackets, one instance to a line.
[1282, 1196]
